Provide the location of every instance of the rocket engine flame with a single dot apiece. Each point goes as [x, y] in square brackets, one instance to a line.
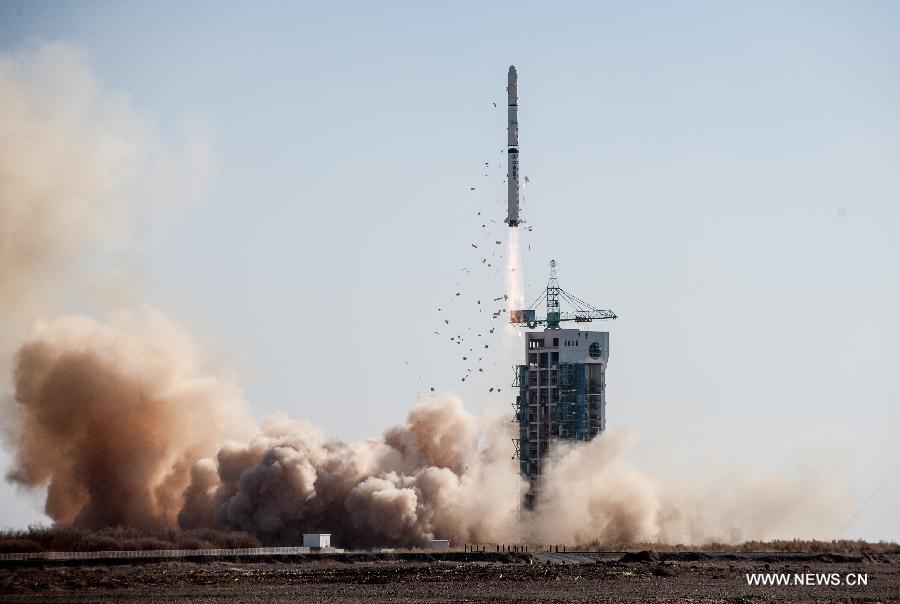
[515, 290]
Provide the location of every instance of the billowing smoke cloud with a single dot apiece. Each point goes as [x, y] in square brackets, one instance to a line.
[76, 163]
[592, 493]
[112, 418]
[436, 475]
[126, 422]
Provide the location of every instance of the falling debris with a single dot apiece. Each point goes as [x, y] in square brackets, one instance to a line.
[495, 299]
[447, 321]
[457, 293]
[432, 388]
[526, 179]
[491, 390]
[485, 345]
[498, 242]
[475, 246]
[495, 104]
[471, 188]
[465, 359]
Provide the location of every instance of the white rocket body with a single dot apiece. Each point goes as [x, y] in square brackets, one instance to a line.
[512, 152]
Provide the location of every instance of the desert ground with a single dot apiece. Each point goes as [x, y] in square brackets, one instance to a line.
[455, 577]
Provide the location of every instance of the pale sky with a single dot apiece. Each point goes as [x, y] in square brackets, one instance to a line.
[723, 175]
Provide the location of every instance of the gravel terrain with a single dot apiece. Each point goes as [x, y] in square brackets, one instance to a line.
[453, 577]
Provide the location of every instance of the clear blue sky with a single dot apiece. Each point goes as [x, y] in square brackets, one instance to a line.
[723, 175]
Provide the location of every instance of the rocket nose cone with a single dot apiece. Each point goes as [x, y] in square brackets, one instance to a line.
[513, 74]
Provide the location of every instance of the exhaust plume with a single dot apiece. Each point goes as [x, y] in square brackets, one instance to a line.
[125, 425]
[76, 163]
[591, 492]
[113, 417]
[435, 475]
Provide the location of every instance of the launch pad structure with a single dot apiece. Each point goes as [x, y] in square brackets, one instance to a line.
[562, 384]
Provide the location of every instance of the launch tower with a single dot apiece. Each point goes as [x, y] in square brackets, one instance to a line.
[562, 385]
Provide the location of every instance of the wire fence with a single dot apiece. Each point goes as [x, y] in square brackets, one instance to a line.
[163, 553]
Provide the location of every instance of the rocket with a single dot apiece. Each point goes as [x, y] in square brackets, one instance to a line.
[512, 152]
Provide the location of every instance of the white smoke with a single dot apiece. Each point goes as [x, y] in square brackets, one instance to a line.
[77, 162]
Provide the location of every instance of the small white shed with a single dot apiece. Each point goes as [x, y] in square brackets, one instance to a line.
[439, 543]
[316, 540]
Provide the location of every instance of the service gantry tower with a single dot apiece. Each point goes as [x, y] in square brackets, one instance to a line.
[562, 385]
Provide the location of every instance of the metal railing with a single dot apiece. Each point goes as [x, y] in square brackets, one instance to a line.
[164, 553]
